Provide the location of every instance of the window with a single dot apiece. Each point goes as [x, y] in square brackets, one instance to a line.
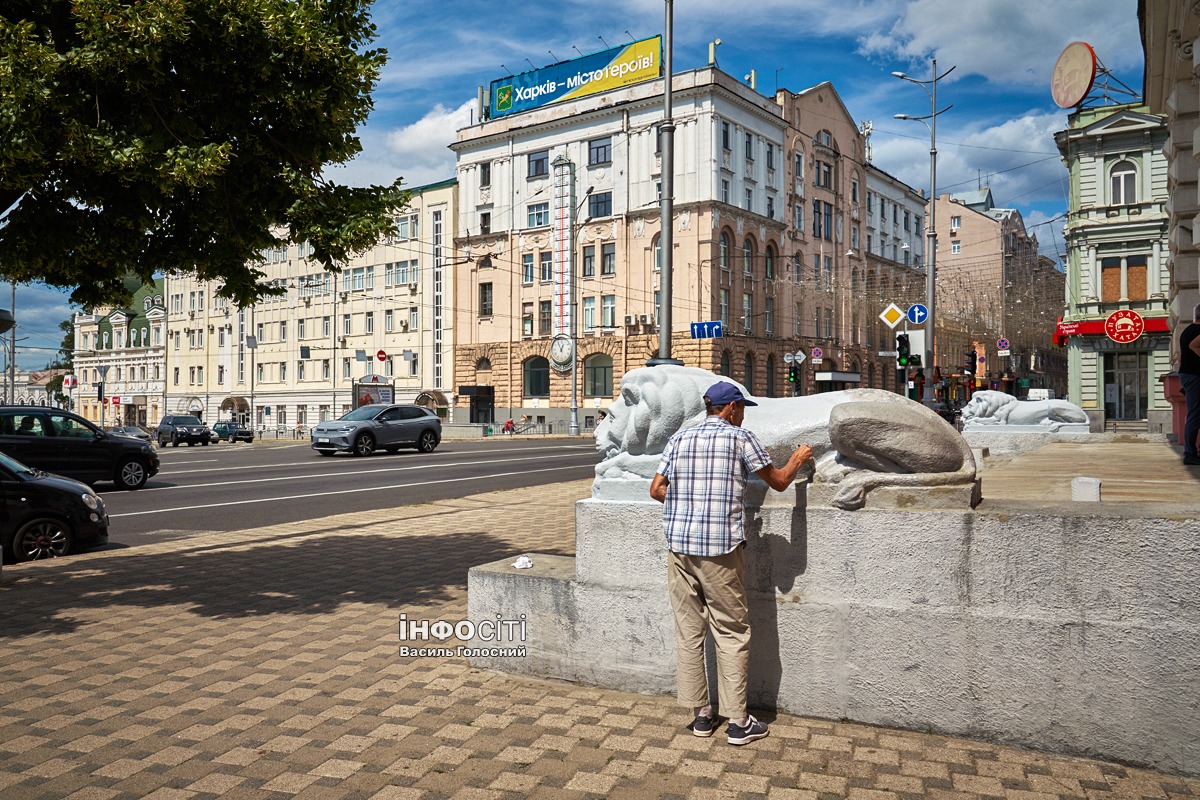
[485, 222]
[769, 316]
[370, 322]
[769, 263]
[724, 191]
[538, 214]
[725, 363]
[748, 204]
[725, 135]
[608, 311]
[300, 328]
[261, 372]
[824, 176]
[799, 166]
[325, 369]
[539, 164]
[906, 220]
[546, 265]
[527, 269]
[414, 319]
[345, 368]
[1124, 184]
[770, 376]
[176, 376]
[389, 321]
[747, 312]
[345, 324]
[220, 375]
[955, 246]
[600, 204]
[326, 322]
[748, 256]
[407, 227]
[828, 221]
[748, 370]
[798, 217]
[955, 222]
[598, 376]
[527, 319]
[589, 261]
[749, 147]
[485, 173]
[816, 226]
[723, 302]
[283, 331]
[723, 251]
[589, 314]
[537, 377]
[770, 207]
[770, 156]
[854, 191]
[545, 317]
[282, 372]
[485, 299]
[608, 259]
[600, 151]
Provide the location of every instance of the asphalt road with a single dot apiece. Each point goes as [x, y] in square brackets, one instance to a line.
[228, 487]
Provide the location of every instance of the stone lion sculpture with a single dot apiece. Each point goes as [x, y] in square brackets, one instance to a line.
[988, 410]
[861, 438]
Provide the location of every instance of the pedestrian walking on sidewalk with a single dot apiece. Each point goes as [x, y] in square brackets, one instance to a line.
[1189, 380]
[701, 479]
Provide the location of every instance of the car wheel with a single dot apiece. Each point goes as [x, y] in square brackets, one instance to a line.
[232, 439]
[205, 443]
[42, 538]
[131, 474]
[175, 443]
[428, 442]
[364, 445]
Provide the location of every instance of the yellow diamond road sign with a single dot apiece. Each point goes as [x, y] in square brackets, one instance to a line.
[892, 315]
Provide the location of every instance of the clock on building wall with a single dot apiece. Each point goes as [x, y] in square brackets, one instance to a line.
[562, 352]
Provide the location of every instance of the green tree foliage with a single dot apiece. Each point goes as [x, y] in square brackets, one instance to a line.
[181, 136]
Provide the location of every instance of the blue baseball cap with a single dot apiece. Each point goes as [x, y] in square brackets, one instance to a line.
[723, 393]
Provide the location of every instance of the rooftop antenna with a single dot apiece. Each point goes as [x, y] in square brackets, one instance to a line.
[777, 78]
[712, 52]
[866, 128]
[601, 38]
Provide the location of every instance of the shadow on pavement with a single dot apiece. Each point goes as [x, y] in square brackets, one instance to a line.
[312, 572]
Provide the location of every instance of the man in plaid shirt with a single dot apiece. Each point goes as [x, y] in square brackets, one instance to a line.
[702, 480]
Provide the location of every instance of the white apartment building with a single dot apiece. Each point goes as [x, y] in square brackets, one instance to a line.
[384, 323]
[767, 233]
[122, 347]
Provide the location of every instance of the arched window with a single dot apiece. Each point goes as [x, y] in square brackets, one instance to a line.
[483, 372]
[770, 376]
[1124, 184]
[598, 376]
[769, 262]
[725, 363]
[657, 254]
[748, 255]
[537, 377]
[749, 370]
[723, 252]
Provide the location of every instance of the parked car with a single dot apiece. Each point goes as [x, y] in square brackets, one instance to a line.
[65, 444]
[179, 429]
[232, 431]
[946, 412]
[132, 431]
[379, 427]
[46, 515]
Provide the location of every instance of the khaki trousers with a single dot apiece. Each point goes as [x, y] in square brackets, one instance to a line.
[707, 592]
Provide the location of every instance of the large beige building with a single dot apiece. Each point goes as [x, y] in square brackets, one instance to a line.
[768, 239]
[384, 326]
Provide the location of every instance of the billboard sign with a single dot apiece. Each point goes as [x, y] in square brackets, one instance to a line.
[580, 77]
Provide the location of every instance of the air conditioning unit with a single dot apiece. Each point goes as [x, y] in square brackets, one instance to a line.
[631, 319]
[412, 287]
[646, 319]
[403, 324]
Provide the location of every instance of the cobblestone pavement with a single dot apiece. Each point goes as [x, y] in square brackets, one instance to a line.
[263, 664]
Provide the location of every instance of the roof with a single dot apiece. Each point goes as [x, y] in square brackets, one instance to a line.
[977, 200]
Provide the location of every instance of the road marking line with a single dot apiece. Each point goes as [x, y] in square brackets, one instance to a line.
[340, 491]
[319, 463]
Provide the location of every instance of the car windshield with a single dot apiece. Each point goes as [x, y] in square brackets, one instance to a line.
[363, 412]
[12, 465]
[187, 420]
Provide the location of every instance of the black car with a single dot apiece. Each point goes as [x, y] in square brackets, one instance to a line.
[61, 442]
[132, 431]
[44, 515]
[177, 429]
[232, 431]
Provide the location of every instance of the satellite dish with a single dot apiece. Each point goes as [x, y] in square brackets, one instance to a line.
[1073, 74]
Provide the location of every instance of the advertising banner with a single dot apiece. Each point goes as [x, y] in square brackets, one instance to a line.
[580, 77]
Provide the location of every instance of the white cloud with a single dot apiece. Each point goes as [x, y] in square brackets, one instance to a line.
[1008, 42]
[420, 152]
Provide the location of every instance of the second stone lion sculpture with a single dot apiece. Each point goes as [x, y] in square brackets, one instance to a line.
[861, 438]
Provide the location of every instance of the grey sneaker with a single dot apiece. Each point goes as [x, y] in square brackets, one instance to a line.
[704, 727]
[753, 729]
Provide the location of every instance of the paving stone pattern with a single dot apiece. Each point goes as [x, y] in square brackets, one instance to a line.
[263, 664]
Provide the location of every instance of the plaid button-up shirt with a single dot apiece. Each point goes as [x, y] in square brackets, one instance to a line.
[707, 466]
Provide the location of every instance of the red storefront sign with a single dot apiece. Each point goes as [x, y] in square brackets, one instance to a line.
[1124, 326]
[1097, 327]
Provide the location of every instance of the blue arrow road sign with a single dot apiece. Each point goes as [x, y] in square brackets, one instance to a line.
[917, 314]
[707, 330]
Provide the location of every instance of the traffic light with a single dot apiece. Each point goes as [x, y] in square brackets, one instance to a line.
[902, 351]
[792, 372]
[914, 360]
[969, 361]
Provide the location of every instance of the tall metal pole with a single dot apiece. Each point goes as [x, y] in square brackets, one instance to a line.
[667, 206]
[12, 348]
[931, 269]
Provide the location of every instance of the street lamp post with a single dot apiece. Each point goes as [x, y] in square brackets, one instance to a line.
[668, 199]
[929, 121]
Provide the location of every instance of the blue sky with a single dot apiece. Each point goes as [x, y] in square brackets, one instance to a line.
[999, 131]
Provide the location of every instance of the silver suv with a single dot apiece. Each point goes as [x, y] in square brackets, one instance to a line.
[379, 427]
[179, 428]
